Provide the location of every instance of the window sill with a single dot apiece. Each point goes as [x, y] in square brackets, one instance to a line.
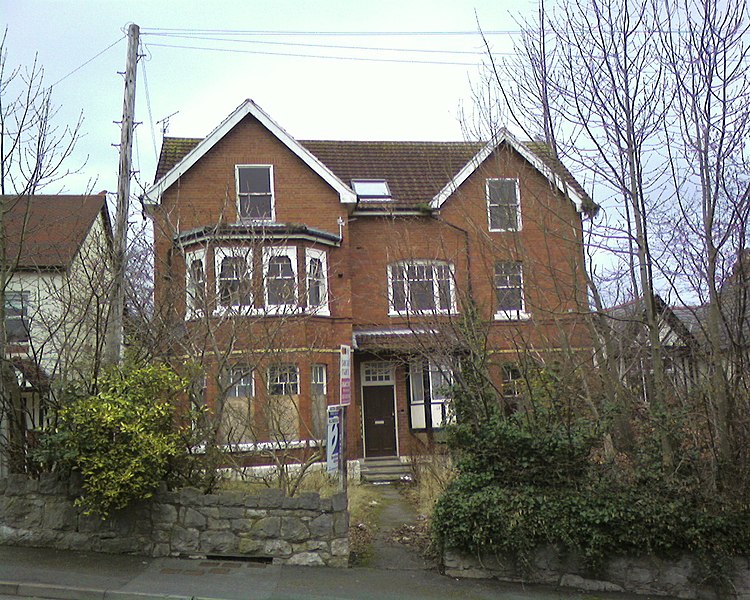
[421, 313]
[512, 315]
[511, 230]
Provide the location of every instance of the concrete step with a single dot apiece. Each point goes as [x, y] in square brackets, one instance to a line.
[384, 470]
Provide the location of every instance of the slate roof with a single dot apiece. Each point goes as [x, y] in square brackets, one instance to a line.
[45, 232]
[415, 171]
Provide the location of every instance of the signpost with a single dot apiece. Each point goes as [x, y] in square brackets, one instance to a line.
[333, 439]
[345, 399]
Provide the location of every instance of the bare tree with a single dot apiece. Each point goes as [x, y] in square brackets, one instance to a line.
[34, 153]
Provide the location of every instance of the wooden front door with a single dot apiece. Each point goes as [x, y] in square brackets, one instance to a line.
[380, 420]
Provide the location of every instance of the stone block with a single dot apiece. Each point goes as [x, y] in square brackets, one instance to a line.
[50, 484]
[340, 547]
[163, 514]
[291, 503]
[16, 485]
[338, 562]
[588, 585]
[231, 512]
[277, 548]
[218, 542]
[310, 546]
[218, 524]
[310, 501]
[252, 501]
[268, 527]
[252, 513]
[270, 498]
[168, 497]
[184, 540]
[232, 499]
[191, 496]
[339, 502]
[60, 515]
[306, 559]
[294, 529]
[120, 545]
[241, 525]
[251, 546]
[326, 505]
[322, 526]
[210, 500]
[159, 550]
[340, 524]
[191, 518]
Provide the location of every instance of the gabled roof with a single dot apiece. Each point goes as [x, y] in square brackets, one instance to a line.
[538, 154]
[46, 232]
[419, 174]
[248, 107]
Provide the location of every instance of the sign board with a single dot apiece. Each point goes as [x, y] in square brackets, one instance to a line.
[345, 376]
[333, 439]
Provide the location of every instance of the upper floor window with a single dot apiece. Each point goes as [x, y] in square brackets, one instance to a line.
[255, 192]
[195, 283]
[371, 189]
[234, 277]
[17, 317]
[317, 280]
[503, 205]
[421, 287]
[513, 383]
[509, 291]
[240, 382]
[283, 380]
[280, 277]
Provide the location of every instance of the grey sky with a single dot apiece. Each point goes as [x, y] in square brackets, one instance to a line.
[312, 98]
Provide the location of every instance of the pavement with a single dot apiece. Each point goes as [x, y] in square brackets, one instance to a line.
[396, 572]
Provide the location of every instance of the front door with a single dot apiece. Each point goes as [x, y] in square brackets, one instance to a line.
[380, 420]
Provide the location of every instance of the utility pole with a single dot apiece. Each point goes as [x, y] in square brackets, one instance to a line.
[114, 341]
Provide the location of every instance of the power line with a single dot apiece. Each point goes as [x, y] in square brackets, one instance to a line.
[319, 56]
[331, 33]
[331, 46]
[113, 44]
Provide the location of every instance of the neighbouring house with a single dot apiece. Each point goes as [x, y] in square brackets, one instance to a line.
[56, 250]
[271, 253]
[684, 335]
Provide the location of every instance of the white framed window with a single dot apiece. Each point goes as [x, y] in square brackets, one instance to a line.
[283, 380]
[429, 388]
[280, 278]
[371, 189]
[240, 381]
[503, 204]
[421, 287]
[234, 269]
[318, 391]
[509, 300]
[17, 309]
[512, 385]
[377, 372]
[316, 269]
[255, 198]
[195, 283]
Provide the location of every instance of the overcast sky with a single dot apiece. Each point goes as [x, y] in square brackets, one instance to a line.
[206, 73]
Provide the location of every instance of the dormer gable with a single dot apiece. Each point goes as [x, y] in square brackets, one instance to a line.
[248, 107]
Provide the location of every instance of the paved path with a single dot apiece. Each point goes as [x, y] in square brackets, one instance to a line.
[387, 553]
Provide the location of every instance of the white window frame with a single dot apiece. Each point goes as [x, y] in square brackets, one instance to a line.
[377, 372]
[419, 403]
[403, 265]
[191, 310]
[238, 381]
[240, 218]
[233, 252]
[289, 385]
[519, 314]
[24, 317]
[291, 253]
[371, 190]
[310, 255]
[318, 397]
[489, 204]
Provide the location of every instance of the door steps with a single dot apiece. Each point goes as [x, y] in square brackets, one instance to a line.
[388, 469]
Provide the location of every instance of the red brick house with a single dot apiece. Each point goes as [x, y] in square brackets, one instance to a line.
[271, 253]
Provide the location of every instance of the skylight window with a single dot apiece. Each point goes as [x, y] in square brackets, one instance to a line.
[371, 189]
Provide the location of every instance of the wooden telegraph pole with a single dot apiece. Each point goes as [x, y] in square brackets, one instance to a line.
[114, 341]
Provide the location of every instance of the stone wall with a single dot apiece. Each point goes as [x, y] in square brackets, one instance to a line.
[648, 575]
[303, 530]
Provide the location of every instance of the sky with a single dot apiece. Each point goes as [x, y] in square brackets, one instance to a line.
[200, 60]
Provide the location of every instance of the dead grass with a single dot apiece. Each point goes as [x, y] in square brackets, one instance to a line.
[431, 475]
[364, 508]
